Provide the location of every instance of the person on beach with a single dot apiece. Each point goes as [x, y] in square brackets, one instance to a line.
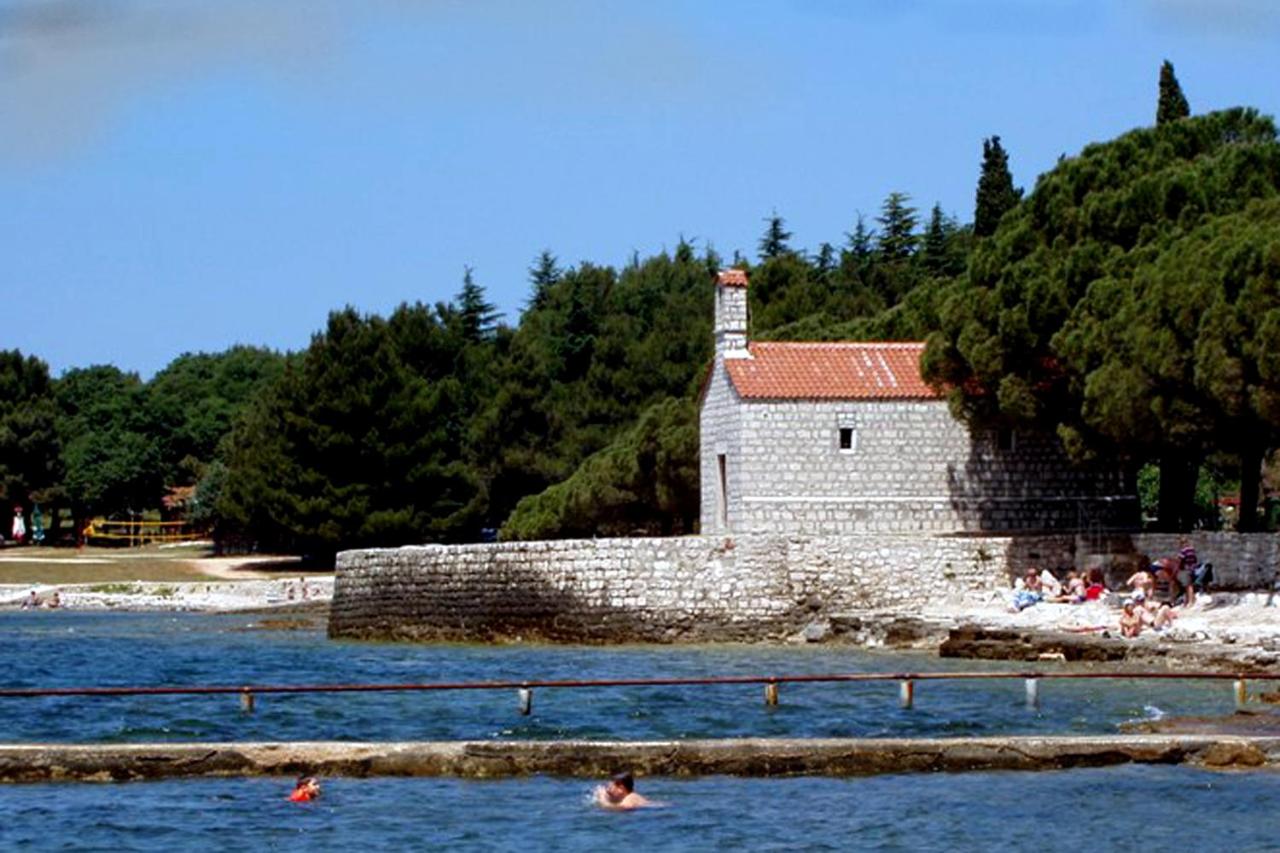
[307, 789]
[1154, 614]
[1094, 587]
[1130, 621]
[1142, 581]
[1027, 591]
[32, 601]
[1075, 588]
[620, 794]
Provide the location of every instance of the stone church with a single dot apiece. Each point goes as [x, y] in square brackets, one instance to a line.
[836, 438]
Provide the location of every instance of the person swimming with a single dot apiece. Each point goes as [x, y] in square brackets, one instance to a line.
[620, 794]
[307, 789]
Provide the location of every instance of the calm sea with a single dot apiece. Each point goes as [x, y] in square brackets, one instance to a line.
[1126, 808]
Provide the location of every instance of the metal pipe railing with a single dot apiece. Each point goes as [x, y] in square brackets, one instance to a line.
[35, 692]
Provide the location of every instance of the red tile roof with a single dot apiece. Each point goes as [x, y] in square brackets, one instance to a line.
[831, 371]
[732, 278]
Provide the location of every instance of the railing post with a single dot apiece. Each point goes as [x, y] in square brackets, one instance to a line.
[246, 701]
[906, 694]
[1033, 694]
[1242, 693]
[771, 694]
[524, 699]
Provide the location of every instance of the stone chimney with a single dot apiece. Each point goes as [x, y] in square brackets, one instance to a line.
[731, 314]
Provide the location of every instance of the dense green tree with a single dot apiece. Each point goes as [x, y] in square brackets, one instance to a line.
[543, 275]
[110, 455]
[942, 253]
[196, 398]
[29, 449]
[897, 236]
[996, 192]
[1068, 320]
[774, 242]
[477, 316]
[358, 443]
[643, 483]
[1172, 104]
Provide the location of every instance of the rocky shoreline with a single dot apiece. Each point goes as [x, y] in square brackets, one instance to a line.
[212, 596]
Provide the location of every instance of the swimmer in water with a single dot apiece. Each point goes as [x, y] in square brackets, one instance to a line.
[307, 789]
[620, 794]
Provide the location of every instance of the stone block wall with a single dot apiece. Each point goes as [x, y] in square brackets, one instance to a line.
[913, 468]
[717, 588]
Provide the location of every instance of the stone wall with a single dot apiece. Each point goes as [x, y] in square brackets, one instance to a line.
[913, 468]
[698, 588]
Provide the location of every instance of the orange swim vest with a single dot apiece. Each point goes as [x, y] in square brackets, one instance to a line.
[301, 795]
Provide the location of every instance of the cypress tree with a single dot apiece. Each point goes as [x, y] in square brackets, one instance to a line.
[1173, 104]
[996, 193]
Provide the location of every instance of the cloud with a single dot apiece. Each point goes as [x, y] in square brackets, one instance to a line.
[67, 65]
[1250, 19]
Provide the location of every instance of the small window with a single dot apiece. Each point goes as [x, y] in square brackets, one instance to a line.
[848, 440]
[1006, 440]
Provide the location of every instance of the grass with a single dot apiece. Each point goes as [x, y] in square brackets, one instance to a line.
[103, 566]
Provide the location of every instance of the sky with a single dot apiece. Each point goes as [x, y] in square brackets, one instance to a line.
[187, 175]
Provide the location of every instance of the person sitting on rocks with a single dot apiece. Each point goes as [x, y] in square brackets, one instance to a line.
[1130, 621]
[1027, 590]
[1050, 586]
[1093, 586]
[32, 601]
[1074, 588]
[1154, 614]
[620, 794]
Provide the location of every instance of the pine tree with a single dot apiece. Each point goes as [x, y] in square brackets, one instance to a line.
[897, 228]
[825, 262]
[543, 275]
[774, 242]
[860, 239]
[996, 193]
[1173, 104]
[479, 317]
[935, 249]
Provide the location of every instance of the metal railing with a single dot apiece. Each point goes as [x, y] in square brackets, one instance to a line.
[525, 687]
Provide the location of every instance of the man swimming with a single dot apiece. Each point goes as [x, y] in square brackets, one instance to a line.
[307, 789]
[620, 794]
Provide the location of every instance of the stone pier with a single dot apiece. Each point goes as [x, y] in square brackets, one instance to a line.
[594, 759]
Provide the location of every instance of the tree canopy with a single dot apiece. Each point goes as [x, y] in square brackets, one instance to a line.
[1066, 318]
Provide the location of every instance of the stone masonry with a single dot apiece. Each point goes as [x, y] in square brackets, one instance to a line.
[715, 588]
[777, 465]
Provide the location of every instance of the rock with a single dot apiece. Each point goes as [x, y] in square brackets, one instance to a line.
[816, 632]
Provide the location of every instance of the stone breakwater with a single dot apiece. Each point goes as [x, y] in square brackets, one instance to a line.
[598, 759]
[715, 588]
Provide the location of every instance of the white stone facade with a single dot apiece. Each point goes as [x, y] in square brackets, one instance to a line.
[777, 465]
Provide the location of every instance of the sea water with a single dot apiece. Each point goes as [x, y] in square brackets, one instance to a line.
[46, 649]
[1130, 807]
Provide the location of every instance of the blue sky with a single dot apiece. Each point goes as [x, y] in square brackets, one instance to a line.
[183, 176]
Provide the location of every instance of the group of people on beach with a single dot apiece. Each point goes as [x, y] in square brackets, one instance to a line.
[1154, 590]
[33, 601]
